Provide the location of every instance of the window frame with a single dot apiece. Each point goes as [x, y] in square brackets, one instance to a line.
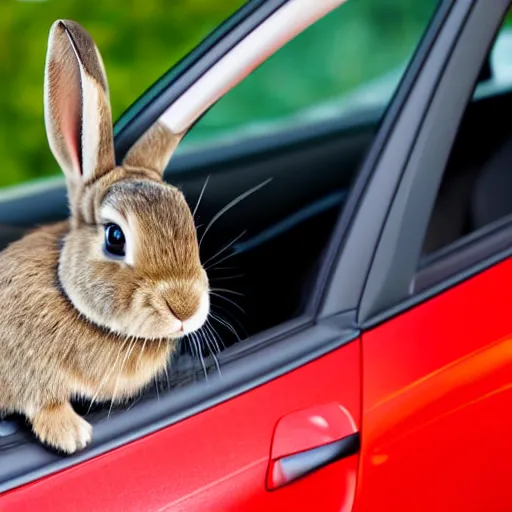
[148, 108]
[395, 263]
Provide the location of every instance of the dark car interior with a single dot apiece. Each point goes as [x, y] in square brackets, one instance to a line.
[476, 190]
[290, 219]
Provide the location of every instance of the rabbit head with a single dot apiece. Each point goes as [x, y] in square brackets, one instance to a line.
[130, 261]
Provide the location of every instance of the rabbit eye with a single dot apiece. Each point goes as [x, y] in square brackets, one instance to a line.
[114, 240]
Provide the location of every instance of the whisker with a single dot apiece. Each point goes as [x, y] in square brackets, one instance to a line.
[225, 290]
[225, 324]
[214, 356]
[200, 354]
[137, 400]
[230, 205]
[188, 337]
[165, 368]
[226, 278]
[140, 355]
[167, 376]
[228, 300]
[226, 247]
[200, 196]
[202, 343]
[232, 316]
[215, 333]
[107, 374]
[156, 387]
[128, 352]
[213, 266]
[221, 341]
[207, 327]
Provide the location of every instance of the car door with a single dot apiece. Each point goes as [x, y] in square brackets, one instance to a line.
[249, 435]
[436, 346]
[279, 429]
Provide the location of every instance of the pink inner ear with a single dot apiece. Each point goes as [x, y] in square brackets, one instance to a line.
[68, 103]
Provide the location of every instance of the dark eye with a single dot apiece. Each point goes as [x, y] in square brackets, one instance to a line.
[114, 240]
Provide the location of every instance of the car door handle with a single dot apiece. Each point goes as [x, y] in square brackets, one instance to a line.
[287, 469]
[307, 440]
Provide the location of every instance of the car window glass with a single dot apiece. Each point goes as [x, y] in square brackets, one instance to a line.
[349, 62]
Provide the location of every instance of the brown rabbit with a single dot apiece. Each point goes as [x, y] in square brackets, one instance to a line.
[93, 306]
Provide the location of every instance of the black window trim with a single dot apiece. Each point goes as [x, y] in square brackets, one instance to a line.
[439, 285]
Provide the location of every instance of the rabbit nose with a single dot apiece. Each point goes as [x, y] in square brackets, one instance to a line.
[182, 309]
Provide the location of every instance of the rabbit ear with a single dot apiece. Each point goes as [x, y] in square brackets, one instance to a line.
[76, 104]
[153, 150]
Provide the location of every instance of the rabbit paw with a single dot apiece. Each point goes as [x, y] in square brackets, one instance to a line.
[62, 428]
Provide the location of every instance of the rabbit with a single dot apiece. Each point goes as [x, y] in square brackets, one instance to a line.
[94, 306]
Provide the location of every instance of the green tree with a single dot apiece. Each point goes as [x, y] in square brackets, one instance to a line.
[138, 39]
[359, 42]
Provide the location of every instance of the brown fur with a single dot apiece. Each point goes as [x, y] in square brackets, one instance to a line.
[75, 321]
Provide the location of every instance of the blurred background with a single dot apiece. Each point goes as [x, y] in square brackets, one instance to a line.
[335, 65]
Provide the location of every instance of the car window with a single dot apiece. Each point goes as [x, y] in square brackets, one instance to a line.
[344, 67]
[473, 210]
[499, 74]
[347, 63]
[138, 43]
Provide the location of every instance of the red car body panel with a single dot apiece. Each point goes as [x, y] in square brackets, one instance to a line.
[437, 396]
[216, 460]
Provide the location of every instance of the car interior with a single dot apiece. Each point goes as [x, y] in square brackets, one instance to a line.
[289, 221]
[262, 254]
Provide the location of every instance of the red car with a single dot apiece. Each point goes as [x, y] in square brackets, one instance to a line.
[376, 368]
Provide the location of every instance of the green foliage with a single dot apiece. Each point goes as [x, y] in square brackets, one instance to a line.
[138, 39]
[359, 42]
[141, 39]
